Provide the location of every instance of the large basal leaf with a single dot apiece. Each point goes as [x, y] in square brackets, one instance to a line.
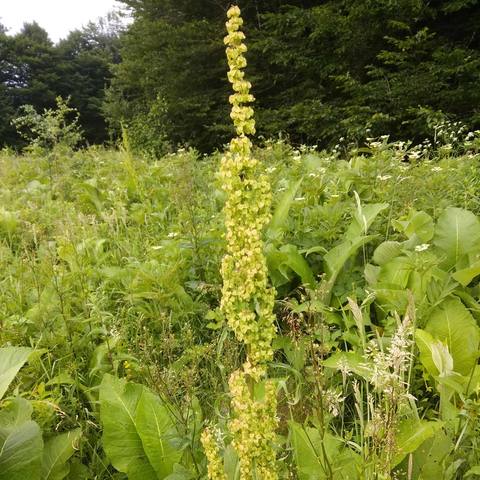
[139, 434]
[395, 273]
[157, 432]
[319, 458]
[417, 226]
[56, 453]
[363, 218]
[12, 360]
[335, 259]
[411, 434]
[425, 343]
[281, 262]
[453, 324]
[350, 362]
[280, 214]
[457, 234]
[428, 460]
[387, 251]
[466, 275]
[17, 412]
[21, 443]
[307, 452]
[121, 441]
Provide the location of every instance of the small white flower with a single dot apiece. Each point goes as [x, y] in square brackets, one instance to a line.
[422, 247]
[172, 235]
[437, 169]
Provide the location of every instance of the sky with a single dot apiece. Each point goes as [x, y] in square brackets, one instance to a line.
[57, 17]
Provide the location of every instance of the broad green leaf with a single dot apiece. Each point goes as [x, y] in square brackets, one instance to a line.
[16, 412]
[395, 273]
[298, 264]
[453, 324]
[353, 239]
[121, 441]
[391, 299]
[417, 224]
[335, 259]
[307, 452]
[21, 452]
[428, 460]
[281, 262]
[349, 361]
[457, 234]
[473, 471]
[294, 350]
[280, 214]
[157, 432]
[12, 360]
[411, 434]
[231, 463]
[371, 273]
[319, 458]
[56, 453]
[181, 473]
[387, 251]
[363, 218]
[425, 343]
[466, 275]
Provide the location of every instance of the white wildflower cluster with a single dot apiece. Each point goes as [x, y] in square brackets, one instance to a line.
[448, 134]
[332, 400]
[388, 367]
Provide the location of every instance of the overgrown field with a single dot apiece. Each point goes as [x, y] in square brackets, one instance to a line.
[110, 319]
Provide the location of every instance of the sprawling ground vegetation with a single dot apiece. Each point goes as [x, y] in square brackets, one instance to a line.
[110, 282]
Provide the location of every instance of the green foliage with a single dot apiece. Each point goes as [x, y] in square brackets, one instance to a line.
[51, 129]
[320, 457]
[23, 452]
[21, 443]
[139, 432]
[35, 72]
[56, 453]
[321, 70]
[110, 267]
[11, 361]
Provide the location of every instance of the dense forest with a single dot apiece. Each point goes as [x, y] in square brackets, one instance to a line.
[321, 70]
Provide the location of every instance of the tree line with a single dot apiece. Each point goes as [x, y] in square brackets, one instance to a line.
[34, 71]
[321, 70]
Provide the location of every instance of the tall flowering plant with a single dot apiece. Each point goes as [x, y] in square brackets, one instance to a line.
[247, 300]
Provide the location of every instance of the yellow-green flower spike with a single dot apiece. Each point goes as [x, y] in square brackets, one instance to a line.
[247, 300]
[215, 464]
[253, 428]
